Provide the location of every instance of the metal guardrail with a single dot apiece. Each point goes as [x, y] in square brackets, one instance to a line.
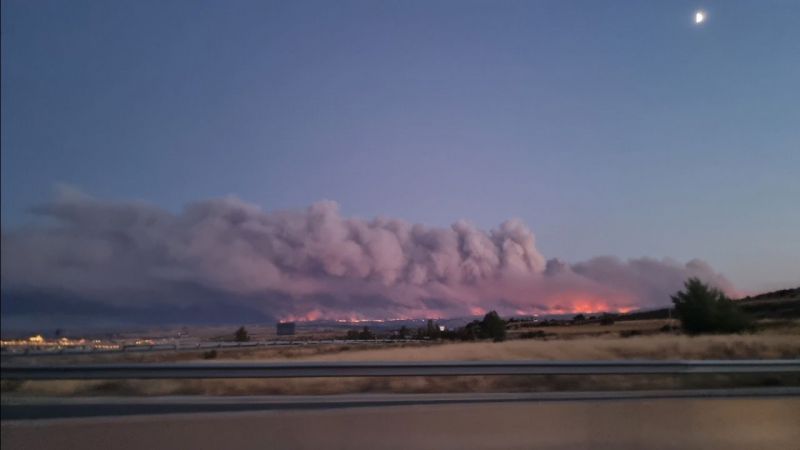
[393, 369]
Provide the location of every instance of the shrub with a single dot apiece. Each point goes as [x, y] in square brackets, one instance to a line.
[607, 319]
[241, 335]
[366, 334]
[211, 354]
[536, 334]
[471, 331]
[629, 333]
[352, 335]
[404, 332]
[668, 328]
[705, 309]
[491, 327]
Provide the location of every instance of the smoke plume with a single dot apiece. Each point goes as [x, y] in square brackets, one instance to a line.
[312, 263]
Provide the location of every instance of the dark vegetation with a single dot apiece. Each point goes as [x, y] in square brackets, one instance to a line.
[241, 335]
[364, 335]
[630, 333]
[785, 294]
[705, 309]
[535, 334]
[783, 304]
[607, 319]
[492, 326]
[701, 309]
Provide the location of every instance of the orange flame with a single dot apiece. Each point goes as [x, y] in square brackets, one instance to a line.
[477, 311]
[584, 303]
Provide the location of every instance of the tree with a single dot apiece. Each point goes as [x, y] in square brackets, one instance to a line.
[432, 330]
[366, 334]
[241, 335]
[579, 318]
[471, 331]
[404, 332]
[352, 335]
[705, 309]
[493, 326]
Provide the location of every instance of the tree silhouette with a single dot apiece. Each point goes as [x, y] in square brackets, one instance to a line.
[493, 326]
[705, 309]
[241, 335]
[607, 319]
[404, 332]
[366, 334]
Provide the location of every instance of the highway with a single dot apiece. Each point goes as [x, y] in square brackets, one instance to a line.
[36, 408]
[650, 420]
[707, 419]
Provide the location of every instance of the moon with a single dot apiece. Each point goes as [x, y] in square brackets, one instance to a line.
[699, 17]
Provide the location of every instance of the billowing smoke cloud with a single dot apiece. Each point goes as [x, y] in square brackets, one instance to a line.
[313, 263]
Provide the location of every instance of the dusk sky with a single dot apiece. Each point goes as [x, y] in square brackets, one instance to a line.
[607, 128]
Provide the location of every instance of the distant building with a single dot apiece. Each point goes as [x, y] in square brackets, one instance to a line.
[285, 328]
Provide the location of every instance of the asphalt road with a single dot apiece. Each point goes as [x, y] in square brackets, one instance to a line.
[34, 408]
[653, 423]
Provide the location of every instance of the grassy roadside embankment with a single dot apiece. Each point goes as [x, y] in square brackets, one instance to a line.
[772, 344]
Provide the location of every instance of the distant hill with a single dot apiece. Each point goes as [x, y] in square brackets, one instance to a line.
[782, 294]
[783, 304]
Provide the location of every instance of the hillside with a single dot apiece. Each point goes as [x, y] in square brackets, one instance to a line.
[783, 304]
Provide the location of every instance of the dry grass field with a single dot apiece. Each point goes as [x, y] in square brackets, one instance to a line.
[651, 326]
[640, 347]
[777, 339]
[772, 344]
